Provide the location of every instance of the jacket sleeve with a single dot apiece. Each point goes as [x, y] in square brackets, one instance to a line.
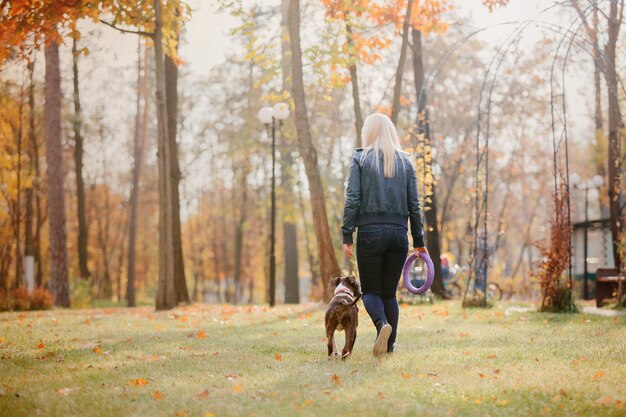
[415, 212]
[353, 201]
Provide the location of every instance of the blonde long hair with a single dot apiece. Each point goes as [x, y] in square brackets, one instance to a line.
[380, 135]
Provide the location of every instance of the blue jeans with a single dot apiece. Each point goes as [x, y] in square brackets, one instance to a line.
[381, 250]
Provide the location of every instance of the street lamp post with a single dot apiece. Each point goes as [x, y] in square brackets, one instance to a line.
[595, 183]
[268, 116]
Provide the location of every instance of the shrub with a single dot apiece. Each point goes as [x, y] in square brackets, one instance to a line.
[41, 299]
[555, 291]
[80, 293]
[19, 299]
[4, 301]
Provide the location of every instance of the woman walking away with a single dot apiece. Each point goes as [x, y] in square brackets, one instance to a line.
[380, 198]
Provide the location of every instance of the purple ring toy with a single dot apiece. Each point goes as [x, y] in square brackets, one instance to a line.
[406, 273]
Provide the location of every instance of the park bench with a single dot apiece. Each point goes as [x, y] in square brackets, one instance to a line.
[610, 286]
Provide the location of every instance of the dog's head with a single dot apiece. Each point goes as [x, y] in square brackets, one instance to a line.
[348, 282]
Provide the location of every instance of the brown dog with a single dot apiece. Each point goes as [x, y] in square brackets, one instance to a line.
[343, 314]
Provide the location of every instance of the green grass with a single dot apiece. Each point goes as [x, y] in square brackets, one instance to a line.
[448, 362]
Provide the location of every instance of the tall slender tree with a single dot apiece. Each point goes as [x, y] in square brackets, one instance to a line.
[287, 175]
[329, 267]
[59, 278]
[77, 122]
[141, 118]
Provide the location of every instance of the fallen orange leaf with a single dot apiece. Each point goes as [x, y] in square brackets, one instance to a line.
[335, 378]
[238, 388]
[406, 376]
[380, 395]
[202, 396]
[157, 395]
[481, 375]
[97, 349]
[598, 375]
[201, 334]
[181, 413]
[208, 415]
[463, 334]
[278, 357]
[139, 382]
[87, 322]
[41, 345]
[491, 356]
[159, 328]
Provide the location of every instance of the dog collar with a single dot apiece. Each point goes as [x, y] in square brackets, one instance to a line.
[344, 289]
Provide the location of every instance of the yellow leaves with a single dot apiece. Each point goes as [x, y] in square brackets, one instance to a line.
[97, 349]
[87, 322]
[335, 378]
[421, 376]
[278, 357]
[159, 328]
[463, 334]
[201, 334]
[493, 4]
[139, 382]
[41, 345]
[157, 395]
[406, 376]
[181, 413]
[503, 403]
[237, 388]
[491, 356]
[598, 375]
[208, 415]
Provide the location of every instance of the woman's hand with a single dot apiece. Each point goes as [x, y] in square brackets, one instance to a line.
[418, 250]
[347, 249]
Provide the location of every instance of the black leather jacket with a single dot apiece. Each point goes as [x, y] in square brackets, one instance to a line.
[373, 199]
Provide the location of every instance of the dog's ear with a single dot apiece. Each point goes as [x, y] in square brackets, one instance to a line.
[334, 282]
[353, 282]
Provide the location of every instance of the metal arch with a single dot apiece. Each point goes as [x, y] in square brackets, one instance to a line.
[515, 35]
[480, 264]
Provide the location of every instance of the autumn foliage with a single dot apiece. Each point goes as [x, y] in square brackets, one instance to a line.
[555, 290]
[19, 299]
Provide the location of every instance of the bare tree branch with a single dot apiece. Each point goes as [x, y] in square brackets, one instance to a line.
[134, 32]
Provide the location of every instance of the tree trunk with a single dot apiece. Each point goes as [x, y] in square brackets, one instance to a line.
[18, 198]
[239, 229]
[166, 292]
[287, 180]
[432, 227]
[614, 157]
[59, 280]
[171, 92]
[597, 70]
[78, 166]
[29, 244]
[397, 89]
[39, 212]
[354, 79]
[141, 118]
[328, 262]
